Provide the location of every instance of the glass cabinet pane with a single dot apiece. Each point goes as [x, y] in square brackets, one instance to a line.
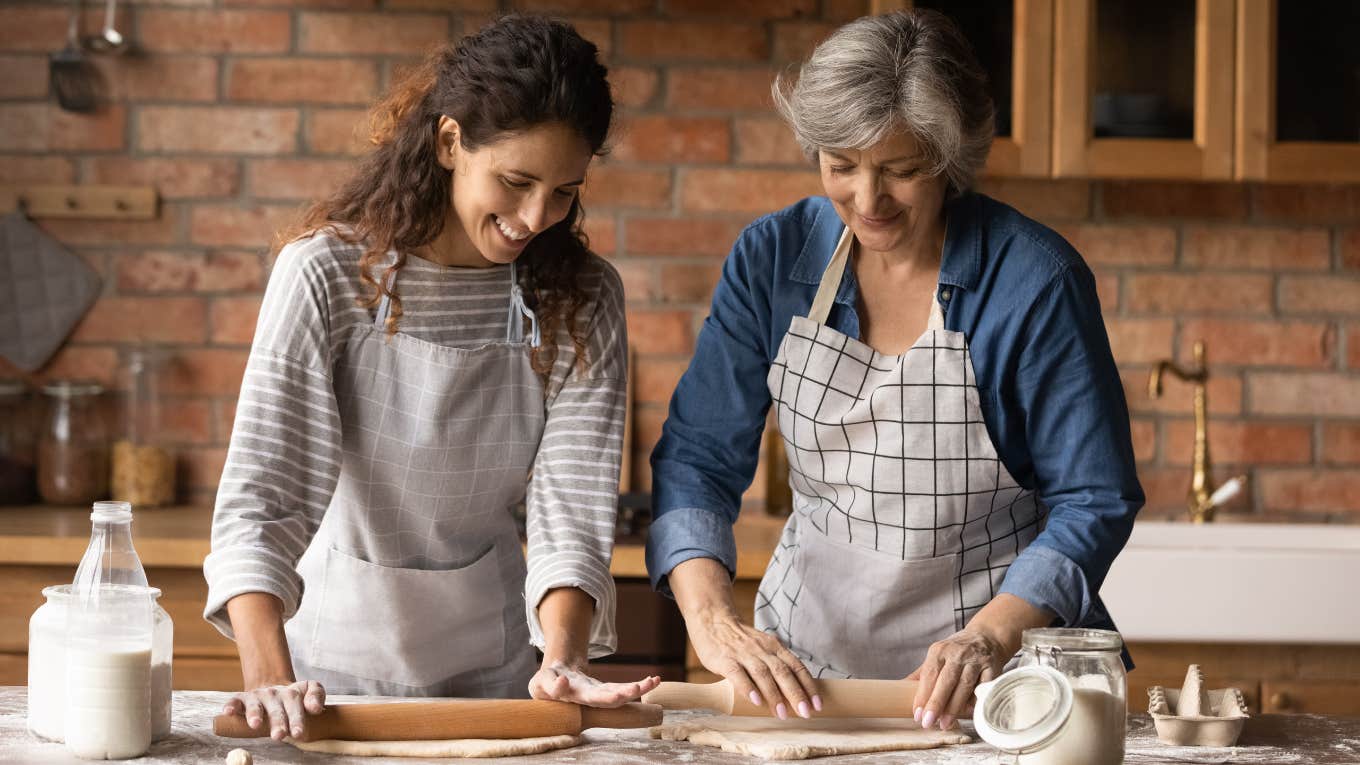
[1318, 78]
[989, 26]
[1144, 69]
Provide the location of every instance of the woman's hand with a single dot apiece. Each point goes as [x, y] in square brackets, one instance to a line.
[282, 707]
[973, 655]
[756, 664]
[952, 669]
[559, 682]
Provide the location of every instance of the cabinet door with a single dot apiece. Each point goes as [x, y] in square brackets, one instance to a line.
[1013, 40]
[1143, 90]
[1311, 697]
[1298, 91]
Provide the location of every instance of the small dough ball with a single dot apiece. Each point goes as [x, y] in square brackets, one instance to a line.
[239, 757]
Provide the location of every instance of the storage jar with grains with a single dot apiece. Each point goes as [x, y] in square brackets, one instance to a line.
[18, 445]
[143, 468]
[73, 451]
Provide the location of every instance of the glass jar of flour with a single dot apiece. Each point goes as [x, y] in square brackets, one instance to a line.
[47, 666]
[1065, 704]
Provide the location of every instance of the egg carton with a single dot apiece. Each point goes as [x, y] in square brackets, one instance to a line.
[1194, 716]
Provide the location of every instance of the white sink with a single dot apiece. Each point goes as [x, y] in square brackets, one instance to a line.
[1237, 583]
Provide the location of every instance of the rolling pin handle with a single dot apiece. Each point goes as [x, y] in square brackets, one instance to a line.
[633, 715]
[235, 726]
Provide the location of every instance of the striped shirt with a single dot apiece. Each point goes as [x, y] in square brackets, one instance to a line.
[284, 459]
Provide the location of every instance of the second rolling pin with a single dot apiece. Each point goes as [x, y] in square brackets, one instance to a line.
[840, 698]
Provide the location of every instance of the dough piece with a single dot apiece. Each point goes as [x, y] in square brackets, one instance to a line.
[459, 747]
[800, 739]
[239, 757]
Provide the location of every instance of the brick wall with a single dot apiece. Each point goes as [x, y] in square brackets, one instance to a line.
[238, 110]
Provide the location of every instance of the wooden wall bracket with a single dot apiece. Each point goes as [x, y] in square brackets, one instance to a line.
[81, 201]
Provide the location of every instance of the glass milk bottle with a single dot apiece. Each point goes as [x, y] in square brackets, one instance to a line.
[110, 627]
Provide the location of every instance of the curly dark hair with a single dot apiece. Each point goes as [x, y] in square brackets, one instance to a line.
[518, 72]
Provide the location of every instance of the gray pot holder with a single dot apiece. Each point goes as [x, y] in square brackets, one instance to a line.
[44, 290]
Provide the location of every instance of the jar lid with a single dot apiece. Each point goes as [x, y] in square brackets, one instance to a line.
[1070, 640]
[62, 592]
[69, 388]
[1023, 709]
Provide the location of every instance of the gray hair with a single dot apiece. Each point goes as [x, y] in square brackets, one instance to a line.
[910, 70]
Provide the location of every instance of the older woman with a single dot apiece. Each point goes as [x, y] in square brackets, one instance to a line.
[957, 434]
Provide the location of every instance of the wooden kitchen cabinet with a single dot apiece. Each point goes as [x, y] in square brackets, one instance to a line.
[1143, 90]
[1274, 678]
[1298, 91]
[1013, 40]
[1199, 90]
[204, 660]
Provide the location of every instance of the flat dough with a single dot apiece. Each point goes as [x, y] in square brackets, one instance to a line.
[800, 739]
[461, 747]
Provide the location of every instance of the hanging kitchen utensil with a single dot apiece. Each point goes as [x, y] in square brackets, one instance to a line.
[45, 289]
[71, 75]
[109, 40]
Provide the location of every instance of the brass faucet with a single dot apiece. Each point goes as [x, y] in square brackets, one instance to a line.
[1202, 498]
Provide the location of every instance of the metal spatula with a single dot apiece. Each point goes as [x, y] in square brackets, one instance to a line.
[72, 78]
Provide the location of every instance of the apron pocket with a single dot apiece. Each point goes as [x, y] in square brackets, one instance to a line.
[408, 626]
[867, 614]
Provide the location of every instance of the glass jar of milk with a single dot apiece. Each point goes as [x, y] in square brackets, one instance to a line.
[110, 626]
[47, 667]
[1065, 704]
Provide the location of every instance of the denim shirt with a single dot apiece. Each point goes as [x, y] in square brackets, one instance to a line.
[1050, 394]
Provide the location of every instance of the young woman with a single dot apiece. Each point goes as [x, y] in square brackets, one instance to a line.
[436, 346]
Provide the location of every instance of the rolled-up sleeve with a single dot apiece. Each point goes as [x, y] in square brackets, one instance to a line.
[1076, 422]
[283, 461]
[572, 499]
[710, 442]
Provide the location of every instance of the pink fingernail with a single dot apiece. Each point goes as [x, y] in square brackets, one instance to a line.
[917, 715]
[781, 711]
[755, 699]
[928, 719]
[817, 703]
[945, 722]
[803, 710]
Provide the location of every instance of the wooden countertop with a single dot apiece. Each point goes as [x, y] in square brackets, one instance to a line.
[177, 537]
[1267, 739]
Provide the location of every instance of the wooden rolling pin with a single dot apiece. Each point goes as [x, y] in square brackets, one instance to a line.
[453, 718]
[840, 698]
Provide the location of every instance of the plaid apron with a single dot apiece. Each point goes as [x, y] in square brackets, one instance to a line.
[904, 519]
[414, 581]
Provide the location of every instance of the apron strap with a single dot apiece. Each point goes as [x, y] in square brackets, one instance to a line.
[831, 284]
[831, 279]
[519, 310]
[385, 304]
[936, 320]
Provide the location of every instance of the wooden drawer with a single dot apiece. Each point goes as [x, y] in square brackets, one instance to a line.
[1311, 697]
[183, 593]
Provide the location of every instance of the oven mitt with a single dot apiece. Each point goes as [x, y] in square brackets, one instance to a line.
[44, 290]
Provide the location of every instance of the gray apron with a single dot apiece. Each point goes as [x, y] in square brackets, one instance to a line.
[904, 520]
[414, 581]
